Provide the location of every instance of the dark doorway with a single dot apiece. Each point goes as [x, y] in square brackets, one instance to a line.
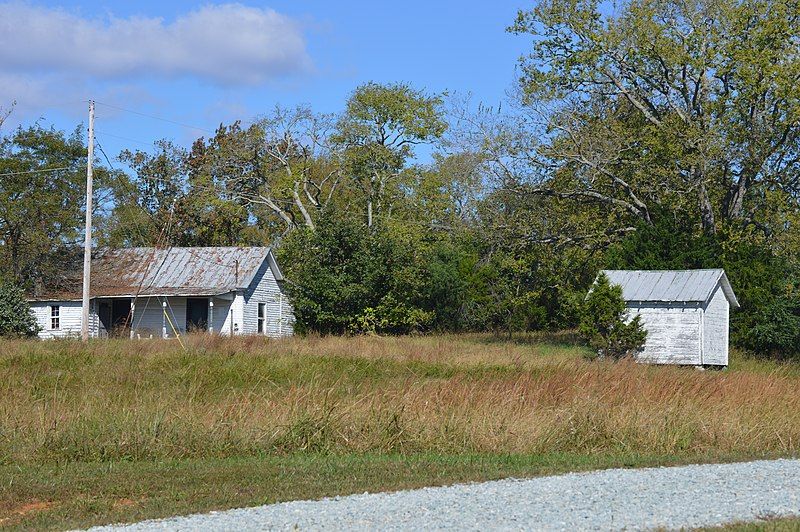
[196, 314]
[104, 312]
[120, 315]
[115, 315]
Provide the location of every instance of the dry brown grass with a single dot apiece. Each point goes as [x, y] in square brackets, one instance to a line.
[142, 400]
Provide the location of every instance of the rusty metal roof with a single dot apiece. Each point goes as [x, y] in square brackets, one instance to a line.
[671, 285]
[173, 271]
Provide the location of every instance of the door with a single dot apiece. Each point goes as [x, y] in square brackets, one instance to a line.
[120, 316]
[196, 314]
[104, 312]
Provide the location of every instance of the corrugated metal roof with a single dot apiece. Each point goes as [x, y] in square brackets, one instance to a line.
[185, 271]
[671, 285]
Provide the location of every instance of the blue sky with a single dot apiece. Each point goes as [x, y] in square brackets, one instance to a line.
[203, 64]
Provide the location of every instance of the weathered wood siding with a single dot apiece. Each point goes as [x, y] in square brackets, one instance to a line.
[237, 313]
[715, 332]
[673, 332]
[266, 289]
[222, 315]
[69, 319]
[148, 316]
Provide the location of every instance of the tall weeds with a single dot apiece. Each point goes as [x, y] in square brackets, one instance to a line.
[140, 400]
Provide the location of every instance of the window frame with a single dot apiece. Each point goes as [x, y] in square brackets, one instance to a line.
[55, 317]
[262, 318]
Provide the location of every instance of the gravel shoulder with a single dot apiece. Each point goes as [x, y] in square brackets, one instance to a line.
[614, 499]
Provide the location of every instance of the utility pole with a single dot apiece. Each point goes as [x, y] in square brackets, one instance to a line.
[87, 245]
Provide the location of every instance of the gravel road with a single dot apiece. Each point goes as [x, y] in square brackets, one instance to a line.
[631, 499]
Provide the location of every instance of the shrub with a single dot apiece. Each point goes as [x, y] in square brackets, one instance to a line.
[349, 278]
[776, 330]
[603, 322]
[16, 319]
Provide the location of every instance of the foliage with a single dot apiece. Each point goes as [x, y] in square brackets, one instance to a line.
[776, 329]
[377, 132]
[692, 104]
[16, 319]
[346, 277]
[42, 190]
[604, 323]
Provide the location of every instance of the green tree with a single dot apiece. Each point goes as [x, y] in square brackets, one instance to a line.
[604, 322]
[285, 165]
[692, 104]
[16, 318]
[42, 191]
[349, 278]
[377, 133]
[144, 202]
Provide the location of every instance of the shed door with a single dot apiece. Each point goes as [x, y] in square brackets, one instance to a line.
[196, 314]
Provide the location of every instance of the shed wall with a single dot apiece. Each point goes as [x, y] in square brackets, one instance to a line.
[673, 332]
[715, 333]
[279, 316]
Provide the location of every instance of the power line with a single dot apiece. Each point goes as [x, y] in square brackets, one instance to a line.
[100, 147]
[37, 171]
[143, 143]
[157, 118]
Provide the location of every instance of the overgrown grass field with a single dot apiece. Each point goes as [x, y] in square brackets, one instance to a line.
[121, 430]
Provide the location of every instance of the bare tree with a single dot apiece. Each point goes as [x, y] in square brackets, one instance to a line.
[6, 112]
[284, 162]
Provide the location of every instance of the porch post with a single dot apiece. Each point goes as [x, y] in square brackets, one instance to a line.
[164, 319]
[133, 316]
[211, 315]
[93, 324]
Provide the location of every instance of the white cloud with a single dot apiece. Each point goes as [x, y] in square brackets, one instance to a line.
[227, 44]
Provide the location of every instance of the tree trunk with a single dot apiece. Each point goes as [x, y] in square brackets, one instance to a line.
[707, 212]
[735, 203]
[302, 208]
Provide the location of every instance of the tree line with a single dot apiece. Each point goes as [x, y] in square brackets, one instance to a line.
[662, 135]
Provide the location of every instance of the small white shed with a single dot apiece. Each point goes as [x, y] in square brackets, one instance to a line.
[685, 312]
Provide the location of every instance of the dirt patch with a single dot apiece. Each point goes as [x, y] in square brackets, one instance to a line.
[123, 503]
[14, 514]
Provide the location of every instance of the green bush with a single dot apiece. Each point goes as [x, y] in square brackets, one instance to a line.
[603, 322]
[776, 329]
[16, 319]
[348, 278]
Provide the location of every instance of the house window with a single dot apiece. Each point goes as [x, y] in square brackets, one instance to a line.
[55, 317]
[262, 318]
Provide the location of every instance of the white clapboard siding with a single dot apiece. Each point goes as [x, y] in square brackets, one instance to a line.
[266, 289]
[69, 319]
[715, 330]
[673, 333]
[148, 318]
[222, 316]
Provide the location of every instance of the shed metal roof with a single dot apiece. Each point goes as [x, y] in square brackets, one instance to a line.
[671, 285]
[173, 271]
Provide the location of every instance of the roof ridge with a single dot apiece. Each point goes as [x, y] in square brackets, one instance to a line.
[667, 270]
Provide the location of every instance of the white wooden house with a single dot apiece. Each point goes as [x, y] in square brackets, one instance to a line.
[162, 292]
[685, 312]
